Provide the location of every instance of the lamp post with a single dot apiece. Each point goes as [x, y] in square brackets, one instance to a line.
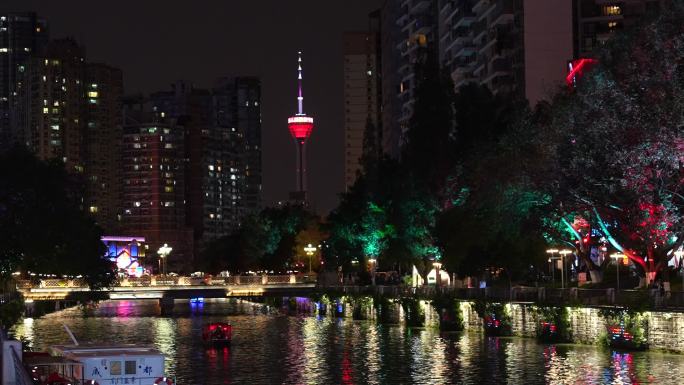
[372, 262]
[438, 275]
[164, 252]
[617, 257]
[563, 253]
[553, 268]
[310, 250]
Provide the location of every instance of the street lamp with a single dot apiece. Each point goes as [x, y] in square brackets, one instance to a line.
[617, 257]
[164, 252]
[563, 253]
[553, 268]
[310, 250]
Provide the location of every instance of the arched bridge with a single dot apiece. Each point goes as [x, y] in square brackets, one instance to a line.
[167, 287]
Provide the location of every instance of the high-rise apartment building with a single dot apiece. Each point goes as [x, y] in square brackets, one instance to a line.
[482, 42]
[103, 145]
[361, 94]
[390, 62]
[418, 23]
[22, 35]
[153, 182]
[57, 104]
[222, 151]
[518, 48]
[237, 105]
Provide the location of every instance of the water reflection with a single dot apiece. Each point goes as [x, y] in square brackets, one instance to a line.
[273, 349]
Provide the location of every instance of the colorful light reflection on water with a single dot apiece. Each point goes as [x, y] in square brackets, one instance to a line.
[273, 349]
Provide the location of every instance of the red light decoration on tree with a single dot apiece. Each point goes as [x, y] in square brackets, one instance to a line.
[578, 68]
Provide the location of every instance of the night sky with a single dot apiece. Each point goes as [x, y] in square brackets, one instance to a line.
[156, 42]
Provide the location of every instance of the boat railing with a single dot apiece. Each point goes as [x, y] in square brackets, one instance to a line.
[21, 375]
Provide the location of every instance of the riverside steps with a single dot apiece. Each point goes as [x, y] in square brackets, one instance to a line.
[642, 319]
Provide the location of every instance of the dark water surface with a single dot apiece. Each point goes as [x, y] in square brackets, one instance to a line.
[269, 348]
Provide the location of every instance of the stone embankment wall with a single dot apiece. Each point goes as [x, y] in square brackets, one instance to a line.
[664, 330]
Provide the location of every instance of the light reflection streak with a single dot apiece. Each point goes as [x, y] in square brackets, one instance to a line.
[373, 353]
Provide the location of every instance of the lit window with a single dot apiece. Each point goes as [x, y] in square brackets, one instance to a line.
[92, 101]
[168, 189]
[612, 10]
[44, 78]
[93, 86]
[56, 103]
[55, 127]
[93, 209]
[211, 167]
[4, 49]
[137, 204]
[115, 368]
[27, 49]
[612, 24]
[92, 94]
[163, 114]
[46, 110]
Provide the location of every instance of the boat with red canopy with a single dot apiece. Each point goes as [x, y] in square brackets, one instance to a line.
[217, 333]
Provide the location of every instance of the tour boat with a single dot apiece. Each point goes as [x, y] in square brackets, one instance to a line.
[97, 365]
[217, 333]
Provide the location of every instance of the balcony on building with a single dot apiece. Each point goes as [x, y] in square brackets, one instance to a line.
[458, 36]
[419, 6]
[503, 13]
[480, 29]
[481, 5]
[464, 49]
[464, 18]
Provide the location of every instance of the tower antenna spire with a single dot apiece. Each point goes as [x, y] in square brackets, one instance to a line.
[300, 98]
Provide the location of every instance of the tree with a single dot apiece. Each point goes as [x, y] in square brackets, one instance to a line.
[618, 140]
[44, 230]
[265, 241]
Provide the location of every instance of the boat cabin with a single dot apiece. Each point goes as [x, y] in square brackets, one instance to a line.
[119, 364]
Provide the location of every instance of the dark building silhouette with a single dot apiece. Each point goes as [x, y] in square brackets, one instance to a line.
[58, 113]
[22, 35]
[103, 145]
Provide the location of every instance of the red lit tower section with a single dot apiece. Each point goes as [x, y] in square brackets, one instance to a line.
[300, 127]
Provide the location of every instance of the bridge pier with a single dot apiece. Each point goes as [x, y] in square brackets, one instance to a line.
[166, 304]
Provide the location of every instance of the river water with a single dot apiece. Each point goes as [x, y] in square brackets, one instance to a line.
[270, 348]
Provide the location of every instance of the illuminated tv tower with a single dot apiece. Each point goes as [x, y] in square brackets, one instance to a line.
[300, 127]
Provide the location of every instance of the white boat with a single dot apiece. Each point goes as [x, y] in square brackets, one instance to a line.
[97, 365]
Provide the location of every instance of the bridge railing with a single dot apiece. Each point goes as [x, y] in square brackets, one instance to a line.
[156, 281]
